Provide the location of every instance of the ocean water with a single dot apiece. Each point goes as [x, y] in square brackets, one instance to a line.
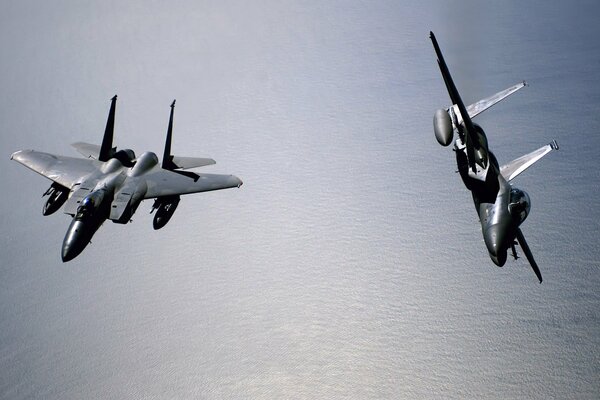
[351, 262]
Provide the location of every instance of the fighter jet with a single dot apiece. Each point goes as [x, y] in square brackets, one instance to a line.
[111, 183]
[501, 207]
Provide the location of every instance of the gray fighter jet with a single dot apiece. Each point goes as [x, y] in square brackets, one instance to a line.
[501, 207]
[111, 184]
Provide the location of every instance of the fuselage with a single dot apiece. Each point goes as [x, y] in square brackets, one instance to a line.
[500, 207]
[92, 212]
[117, 192]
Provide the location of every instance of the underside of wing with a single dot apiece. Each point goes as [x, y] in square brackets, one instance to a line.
[511, 170]
[87, 149]
[162, 182]
[63, 170]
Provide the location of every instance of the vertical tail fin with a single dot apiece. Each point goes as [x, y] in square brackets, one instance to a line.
[106, 149]
[455, 97]
[167, 162]
[528, 254]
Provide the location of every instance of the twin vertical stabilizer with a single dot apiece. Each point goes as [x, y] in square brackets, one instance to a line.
[106, 150]
[167, 162]
[172, 162]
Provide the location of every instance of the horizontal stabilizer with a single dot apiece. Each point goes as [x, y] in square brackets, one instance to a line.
[477, 108]
[87, 149]
[514, 168]
[191, 162]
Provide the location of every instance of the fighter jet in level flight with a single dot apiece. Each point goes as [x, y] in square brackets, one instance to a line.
[501, 207]
[111, 184]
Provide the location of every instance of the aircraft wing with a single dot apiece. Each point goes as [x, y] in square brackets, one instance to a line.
[87, 149]
[63, 170]
[514, 168]
[162, 182]
[477, 108]
[482, 105]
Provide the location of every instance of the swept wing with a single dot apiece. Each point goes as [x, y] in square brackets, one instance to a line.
[477, 108]
[66, 171]
[162, 182]
[511, 170]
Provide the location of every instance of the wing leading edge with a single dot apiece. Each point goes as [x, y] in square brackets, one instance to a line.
[63, 170]
[163, 182]
[514, 168]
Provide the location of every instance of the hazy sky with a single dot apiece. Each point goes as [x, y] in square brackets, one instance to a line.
[351, 262]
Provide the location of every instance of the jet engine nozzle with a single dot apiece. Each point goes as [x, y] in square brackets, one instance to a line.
[126, 157]
[442, 126]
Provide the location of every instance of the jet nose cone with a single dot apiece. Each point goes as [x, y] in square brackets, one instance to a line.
[73, 248]
[67, 253]
[74, 242]
[495, 237]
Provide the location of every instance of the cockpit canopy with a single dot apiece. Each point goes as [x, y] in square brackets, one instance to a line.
[89, 204]
[519, 204]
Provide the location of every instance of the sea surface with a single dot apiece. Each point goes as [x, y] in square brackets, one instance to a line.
[350, 264]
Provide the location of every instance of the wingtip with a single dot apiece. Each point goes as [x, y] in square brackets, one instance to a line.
[17, 153]
[173, 104]
[113, 98]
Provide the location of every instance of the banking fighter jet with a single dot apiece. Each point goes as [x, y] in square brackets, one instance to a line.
[501, 207]
[111, 183]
